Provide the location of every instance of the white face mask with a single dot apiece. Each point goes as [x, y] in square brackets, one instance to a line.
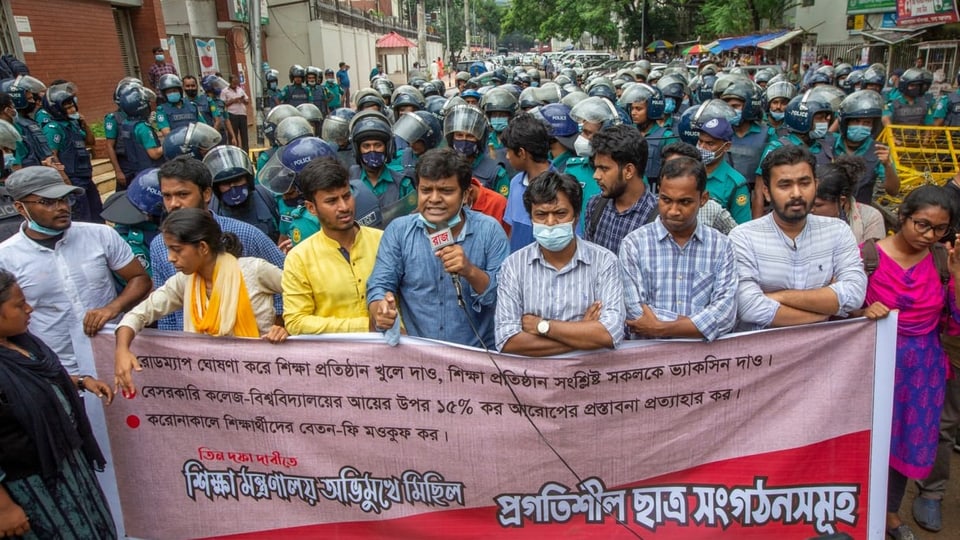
[582, 146]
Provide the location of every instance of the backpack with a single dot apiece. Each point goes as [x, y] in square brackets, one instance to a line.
[871, 259]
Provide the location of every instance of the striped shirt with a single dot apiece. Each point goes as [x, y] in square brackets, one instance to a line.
[530, 285]
[613, 226]
[697, 280]
[824, 254]
[255, 244]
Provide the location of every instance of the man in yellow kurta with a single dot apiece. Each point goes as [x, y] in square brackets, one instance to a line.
[325, 276]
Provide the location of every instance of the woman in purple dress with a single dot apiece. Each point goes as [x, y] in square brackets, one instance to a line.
[908, 279]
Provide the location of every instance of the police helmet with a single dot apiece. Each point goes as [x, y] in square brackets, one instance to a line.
[272, 75]
[708, 69]
[24, 89]
[528, 99]
[371, 125]
[873, 76]
[58, 97]
[369, 97]
[9, 136]
[829, 94]
[311, 112]
[498, 100]
[572, 98]
[169, 81]
[419, 126]
[315, 71]
[292, 128]
[462, 76]
[644, 93]
[694, 117]
[672, 86]
[851, 83]
[782, 89]
[134, 102]
[435, 105]
[280, 171]
[801, 110]
[915, 82]
[823, 75]
[465, 119]
[336, 128]
[125, 82]
[193, 139]
[297, 70]
[212, 83]
[415, 96]
[764, 75]
[385, 87]
[842, 70]
[862, 104]
[706, 89]
[471, 93]
[144, 194]
[534, 74]
[596, 110]
[750, 94]
[274, 117]
[228, 163]
[562, 80]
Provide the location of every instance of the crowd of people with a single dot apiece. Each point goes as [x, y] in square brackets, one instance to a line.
[529, 216]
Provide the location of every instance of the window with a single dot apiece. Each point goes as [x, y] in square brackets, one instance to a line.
[9, 40]
[128, 48]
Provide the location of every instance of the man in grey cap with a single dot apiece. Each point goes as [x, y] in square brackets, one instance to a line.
[66, 271]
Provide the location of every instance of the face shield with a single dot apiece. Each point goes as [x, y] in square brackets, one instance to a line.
[411, 128]
[336, 131]
[293, 128]
[465, 119]
[226, 162]
[594, 109]
[276, 177]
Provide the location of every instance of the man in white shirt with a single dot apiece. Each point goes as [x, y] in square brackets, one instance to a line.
[795, 267]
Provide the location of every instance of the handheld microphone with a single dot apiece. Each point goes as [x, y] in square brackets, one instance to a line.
[439, 239]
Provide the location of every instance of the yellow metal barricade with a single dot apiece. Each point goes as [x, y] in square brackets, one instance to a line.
[923, 155]
[254, 154]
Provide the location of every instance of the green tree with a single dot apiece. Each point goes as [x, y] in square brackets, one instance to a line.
[727, 17]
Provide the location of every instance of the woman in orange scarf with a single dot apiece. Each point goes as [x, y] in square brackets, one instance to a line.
[221, 293]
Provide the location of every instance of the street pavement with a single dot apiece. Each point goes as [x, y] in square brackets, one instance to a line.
[951, 507]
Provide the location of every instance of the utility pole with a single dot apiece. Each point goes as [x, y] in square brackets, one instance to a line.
[466, 24]
[446, 21]
[643, 27]
[257, 75]
[421, 36]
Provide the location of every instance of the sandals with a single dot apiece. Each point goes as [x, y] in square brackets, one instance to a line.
[903, 532]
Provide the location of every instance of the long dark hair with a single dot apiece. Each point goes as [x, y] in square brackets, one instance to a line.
[926, 196]
[193, 225]
[7, 281]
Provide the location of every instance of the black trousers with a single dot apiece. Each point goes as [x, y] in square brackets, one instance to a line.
[239, 124]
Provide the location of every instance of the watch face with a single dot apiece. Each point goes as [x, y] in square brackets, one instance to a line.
[543, 326]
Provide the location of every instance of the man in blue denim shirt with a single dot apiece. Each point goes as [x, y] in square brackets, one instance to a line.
[409, 271]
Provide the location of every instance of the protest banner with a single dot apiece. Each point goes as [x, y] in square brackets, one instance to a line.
[781, 433]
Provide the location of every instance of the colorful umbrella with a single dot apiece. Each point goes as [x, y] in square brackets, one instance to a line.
[695, 49]
[659, 44]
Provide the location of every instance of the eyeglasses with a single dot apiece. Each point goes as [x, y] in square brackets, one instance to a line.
[923, 227]
[51, 203]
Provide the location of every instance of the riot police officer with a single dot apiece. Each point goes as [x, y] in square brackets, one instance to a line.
[646, 106]
[175, 111]
[860, 124]
[68, 136]
[215, 107]
[591, 115]
[270, 123]
[111, 126]
[336, 131]
[272, 92]
[775, 99]
[808, 120]
[235, 193]
[10, 219]
[26, 92]
[952, 103]
[317, 96]
[138, 146]
[466, 130]
[296, 92]
[421, 131]
[499, 106]
[372, 140]
[911, 104]
[193, 139]
[563, 132]
[136, 214]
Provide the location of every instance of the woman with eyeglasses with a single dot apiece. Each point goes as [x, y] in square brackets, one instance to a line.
[908, 277]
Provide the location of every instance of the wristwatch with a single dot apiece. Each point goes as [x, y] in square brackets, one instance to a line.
[543, 327]
[80, 380]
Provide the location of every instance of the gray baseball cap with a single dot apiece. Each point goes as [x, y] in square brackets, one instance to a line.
[41, 181]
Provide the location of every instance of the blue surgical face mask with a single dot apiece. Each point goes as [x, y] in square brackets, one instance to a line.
[858, 133]
[498, 124]
[778, 116]
[272, 85]
[737, 118]
[819, 130]
[9, 160]
[173, 97]
[373, 160]
[36, 227]
[669, 105]
[236, 195]
[467, 148]
[450, 224]
[74, 116]
[158, 57]
[553, 237]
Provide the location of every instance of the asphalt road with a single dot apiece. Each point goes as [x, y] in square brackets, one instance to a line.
[951, 507]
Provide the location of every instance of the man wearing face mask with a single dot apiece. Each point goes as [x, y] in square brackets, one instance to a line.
[68, 136]
[159, 68]
[775, 99]
[421, 130]
[235, 194]
[176, 111]
[332, 90]
[911, 104]
[317, 95]
[466, 130]
[25, 92]
[191, 91]
[808, 120]
[725, 184]
[860, 124]
[272, 91]
[499, 106]
[531, 320]
[412, 280]
[372, 141]
[296, 92]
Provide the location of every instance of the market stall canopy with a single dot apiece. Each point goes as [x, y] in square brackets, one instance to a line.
[891, 37]
[695, 49]
[659, 44]
[778, 41]
[728, 44]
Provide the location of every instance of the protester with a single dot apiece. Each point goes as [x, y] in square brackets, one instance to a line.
[325, 276]
[624, 203]
[588, 315]
[411, 273]
[227, 294]
[711, 213]
[794, 268]
[909, 277]
[836, 183]
[679, 276]
[47, 449]
[527, 144]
